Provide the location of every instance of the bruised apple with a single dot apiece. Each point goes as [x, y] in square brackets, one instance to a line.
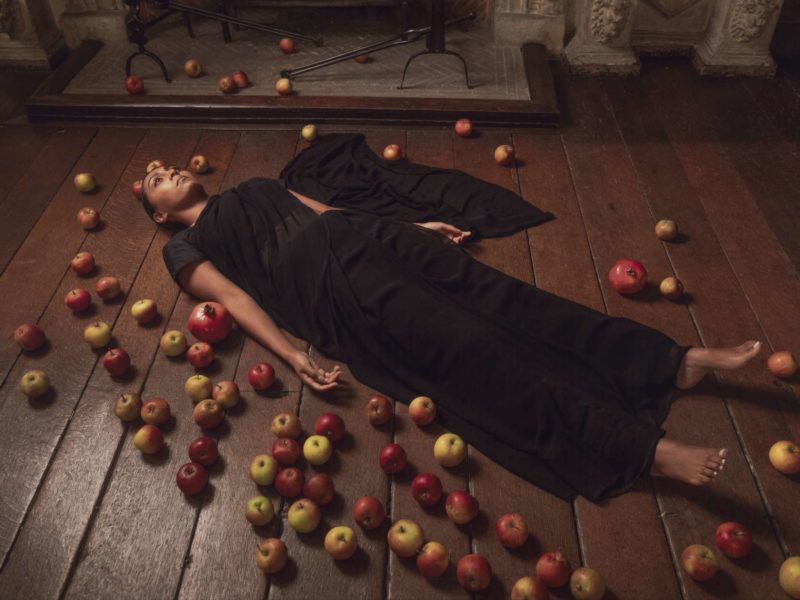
[782, 364]
[627, 276]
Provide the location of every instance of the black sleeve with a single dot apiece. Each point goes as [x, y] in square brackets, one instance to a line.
[179, 252]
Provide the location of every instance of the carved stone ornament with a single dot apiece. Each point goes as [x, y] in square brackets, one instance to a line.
[608, 18]
[7, 16]
[749, 17]
[672, 8]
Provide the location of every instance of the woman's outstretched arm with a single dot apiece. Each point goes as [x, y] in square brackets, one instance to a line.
[203, 280]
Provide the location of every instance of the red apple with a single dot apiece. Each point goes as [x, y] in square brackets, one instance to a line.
[289, 482]
[474, 572]
[392, 152]
[392, 458]
[461, 507]
[283, 86]
[504, 155]
[733, 539]
[226, 393]
[78, 299]
[134, 85]
[200, 354]
[422, 410]
[785, 457]
[432, 559]
[192, 478]
[271, 555]
[193, 68]
[227, 85]
[83, 263]
[286, 425]
[319, 488]
[107, 287]
[240, 79]
[199, 163]
[553, 569]
[586, 584]
[699, 562]
[529, 588]
[208, 413]
[361, 58]
[330, 425]
[368, 512]
[149, 439]
[286, 451]
[426, 489]
[136, 188]
[29, 336]
[782, 364]
[378, 409]
[87, 217]
[204, 450]
[261, 376]
[463, 127]
[286, 45]
[116, 361]
[627, 276]
[511, 530]
[155, 411]
[210, 322]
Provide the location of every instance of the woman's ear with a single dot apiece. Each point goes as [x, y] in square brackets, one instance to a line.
[160, 217]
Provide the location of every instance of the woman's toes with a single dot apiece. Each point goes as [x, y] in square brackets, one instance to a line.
[723, 452]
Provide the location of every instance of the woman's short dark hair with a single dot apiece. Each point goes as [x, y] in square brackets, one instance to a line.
[151, 210]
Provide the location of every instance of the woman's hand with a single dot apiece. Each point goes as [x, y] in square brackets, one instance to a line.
[451, 232]
[311, 374]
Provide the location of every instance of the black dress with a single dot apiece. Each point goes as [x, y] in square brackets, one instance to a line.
[564, 396]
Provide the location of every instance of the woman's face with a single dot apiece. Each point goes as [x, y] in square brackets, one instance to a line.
[171, 190]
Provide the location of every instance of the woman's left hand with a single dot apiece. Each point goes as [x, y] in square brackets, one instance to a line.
[312, 374]
[451, 232]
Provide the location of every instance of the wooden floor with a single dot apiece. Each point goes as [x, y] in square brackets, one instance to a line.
[84, 515]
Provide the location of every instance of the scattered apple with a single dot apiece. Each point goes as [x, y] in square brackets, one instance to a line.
[286, 425]
[666, 229]
[128, 406]
[392, 458]
[227, 85]
[204, 450]
[261, 376]
[155, 411]
[378, 409]
[304, 515]
[286, 45]
[474, 572]
[283, 86]
[192, 478]
[341, 542]
[263, 469]
[286, 451]
[226, 393]
[330, 425]
[504, 155]
[782, 364]
[511, 530]
[309, 133]
[107, 287]
[289, 482]
[259, 510]
[149, 439]
[789, 576]
[422, 410]
[319, 488]
[155, 164]
[136, 188]
[405, 537]
[199, 164]
[78, 299]
[529, 588]
[392, 152]
[368, 512]
[586, 584]
[208, 413]
[785, 457]
[34, 383]
[733, 539]
[200, 354]
[116, 361]
[553, 569]
[210, 322]
[449, 450]
[317, 449]
[698, 561]
[461, 507]
[627, 276]
[463, 127]
[173, 343]
[671, 288]
[144, 310]
[198, 387]
[29, 336]
[83, 263]
[87, 217]
[271, 555]
[433, 559]
[426, 488]
[361, 58]
[193, 68]
[97, 334]
[240, 79]
[134, 85]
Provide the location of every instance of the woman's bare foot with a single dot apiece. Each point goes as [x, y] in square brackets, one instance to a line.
[697, 362]
[693, 464]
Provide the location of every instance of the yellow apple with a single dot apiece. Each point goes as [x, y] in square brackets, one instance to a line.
[283, 86]
[309, 133]
[198, 387]
[84, 182]
[449, 450]
[173, 343]
[789, 576]
[317, 449]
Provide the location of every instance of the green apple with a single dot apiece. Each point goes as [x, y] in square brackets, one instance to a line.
[449, 449]
[259, 510]
[198, 387]
[263, 469]
[144, 310]
[84, 182]
[173, 343]
[304, 515]
[309, 133]
[128, 406]
[97, 334]
[34, 383]
[317, 449]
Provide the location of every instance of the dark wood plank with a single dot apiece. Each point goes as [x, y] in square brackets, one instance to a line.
[19, 145]
[64, 502]
[763, 284]
[32, 194]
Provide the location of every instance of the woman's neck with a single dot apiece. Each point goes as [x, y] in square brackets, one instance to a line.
[189, 216]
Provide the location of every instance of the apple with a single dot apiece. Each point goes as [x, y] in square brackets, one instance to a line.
[29, 336]
[586, 584]
[553, 569]
[83, 263]
[286, 45]
[530, 588]
[785, 457]
[107, 287]
[173, 343]
[116, 361]
[226, 393]
[341, 542]
[136, 188]
[155, 411]
[149, 439]
[289, 482]
[193, 68]
[198, 387]
[461, 507]
[286, 425]
[671, 288]
[426, 489]
[511, 530]
[368, 512]
[304, 515]
[208, 413]
[309, 133]
[317, 449]
[87, 217]
[474, 572]
[463, 127]
[259, 510]
[34, 383]
[78, 299]
[192, 478]
[97, 334]
[227, 85]
[200, 354]
[666, 229]
[361, 58]
[330, 425]
[449, 450]
[240, 79]
[199, 163]
[204, 450]
[392, 458]
[378, 409]
[133, 85]
[127, 406]
[283, 86]
[271, 555]
[698, 561]
[405, 537]
[155, 164]
[422, 410]
[261, 376]
[433, 559]
[504, 155]
[319, 488]
[144, 310]
[627, 276]
[789, 576]
[733, 539]
[782, 363]
[263, 469]
[392, 152]
[286, 451]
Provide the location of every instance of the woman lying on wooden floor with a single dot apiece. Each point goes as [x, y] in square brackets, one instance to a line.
[364, 260]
